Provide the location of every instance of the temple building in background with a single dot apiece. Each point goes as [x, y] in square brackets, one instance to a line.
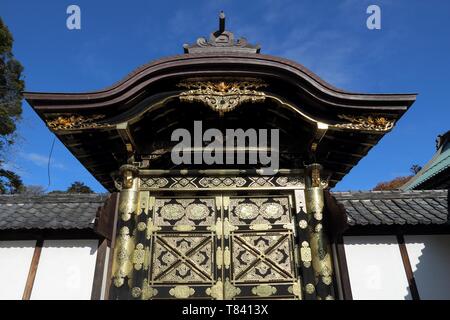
[199, 231]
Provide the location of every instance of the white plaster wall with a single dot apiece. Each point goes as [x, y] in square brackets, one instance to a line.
[15, 261]
[376, 268]
[66, 270]
[430, 262]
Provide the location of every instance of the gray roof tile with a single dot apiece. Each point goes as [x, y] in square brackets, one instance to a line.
[78, 211]
[67, 211]
[395, 207]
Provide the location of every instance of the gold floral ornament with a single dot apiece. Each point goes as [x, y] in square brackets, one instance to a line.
[229, 290]
[147, 291]
[309, 288]
[216, 291]
[181, 292]
[223, 95]
[366, 123]
[73, 122]
[264, 290]
[123, 253]
[305, 254]
[140, 256]
[296, 290]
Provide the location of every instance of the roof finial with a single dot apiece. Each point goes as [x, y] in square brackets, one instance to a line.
[221, 41]
[221, 21]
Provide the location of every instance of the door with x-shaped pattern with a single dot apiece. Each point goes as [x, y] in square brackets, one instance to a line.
[223, 246]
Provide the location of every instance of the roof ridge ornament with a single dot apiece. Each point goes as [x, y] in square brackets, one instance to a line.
[221, 41]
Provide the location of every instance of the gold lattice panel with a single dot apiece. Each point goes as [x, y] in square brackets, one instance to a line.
[263, 261]
[222, 247]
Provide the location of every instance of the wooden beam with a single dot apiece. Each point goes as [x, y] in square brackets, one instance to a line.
[111, 250]
[343, 269]
[33, 269]
[99, 270]
[407, 265]
[104, 221]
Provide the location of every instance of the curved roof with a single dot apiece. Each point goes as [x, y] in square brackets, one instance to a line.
[223, 64]
[341, 126]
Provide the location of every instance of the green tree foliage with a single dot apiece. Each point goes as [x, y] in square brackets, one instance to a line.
[79, 187]
[10, 182]
[75, 187]
[11, 89]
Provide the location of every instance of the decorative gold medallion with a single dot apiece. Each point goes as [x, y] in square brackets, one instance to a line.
[303, 224]
[305, 254]
[264, 290]
[216, 291]
[147, 291]
[172, 212]
[295, 289]
[136, 292]
[228, 228]
[151, 228]
[260, 226]
[219, 257]
[138, 256]
[230, 291]
[247, 211]
[184, 227]
[310, 288]
[197, 211]
[141, 226]
[272, 210]
[182, 292]
[226, 258]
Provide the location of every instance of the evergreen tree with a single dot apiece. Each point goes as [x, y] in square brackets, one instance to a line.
[11, 89]
[79, 187]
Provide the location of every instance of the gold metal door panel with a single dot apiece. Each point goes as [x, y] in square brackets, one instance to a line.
[262, 245]
[223, 248]
[183, 247]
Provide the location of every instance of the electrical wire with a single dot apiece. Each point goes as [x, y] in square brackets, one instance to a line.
[48, 163]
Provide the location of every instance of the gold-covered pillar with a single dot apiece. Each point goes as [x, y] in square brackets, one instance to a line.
[320, 247]
[122, 266]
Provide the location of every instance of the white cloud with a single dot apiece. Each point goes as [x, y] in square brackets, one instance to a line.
[41, 161]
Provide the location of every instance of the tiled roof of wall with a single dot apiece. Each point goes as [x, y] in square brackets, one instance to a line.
[78, 211]
[68, 211]
[395, 207]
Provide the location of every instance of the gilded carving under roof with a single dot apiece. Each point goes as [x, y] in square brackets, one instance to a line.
[74, 121]
[366, 123]
[223, 95]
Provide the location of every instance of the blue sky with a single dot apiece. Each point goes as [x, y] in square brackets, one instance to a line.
[411, 53]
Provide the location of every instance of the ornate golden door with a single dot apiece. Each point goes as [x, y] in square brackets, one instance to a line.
[222, 246]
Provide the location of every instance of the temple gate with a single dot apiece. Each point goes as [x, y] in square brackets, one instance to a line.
[220, 231]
